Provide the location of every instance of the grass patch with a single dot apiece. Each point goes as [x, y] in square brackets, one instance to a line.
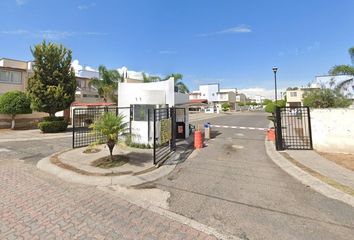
[92, 150]
[106, 162]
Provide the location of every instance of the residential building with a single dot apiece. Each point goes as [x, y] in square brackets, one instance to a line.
[295, 96]
[257, 99]
[226, 96]
[214, 95]
[144, 98]
[14, 75]
[241, 98]
[329, 81]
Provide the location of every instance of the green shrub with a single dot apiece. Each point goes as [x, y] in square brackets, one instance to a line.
[53, 126]
[225, 107]
[53, 119]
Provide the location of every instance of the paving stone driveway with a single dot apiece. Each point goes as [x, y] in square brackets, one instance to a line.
[35, 205]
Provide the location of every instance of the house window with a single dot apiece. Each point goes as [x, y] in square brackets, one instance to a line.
[293, 94]
[213, 94]
[10, 77]
[140, 112]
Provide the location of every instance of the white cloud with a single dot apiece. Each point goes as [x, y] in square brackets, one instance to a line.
[257, 91]
[78, 67]
[237, 29]
[131, 74]
[49, 34]
[14, 32]
[21, 2]
[86, 6]
[300, 51]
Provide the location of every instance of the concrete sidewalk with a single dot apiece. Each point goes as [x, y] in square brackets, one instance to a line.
[311, 169]
[316, 162]
[7, 135]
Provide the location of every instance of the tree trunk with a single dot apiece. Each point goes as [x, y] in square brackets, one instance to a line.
[12, 121]
[111, 144]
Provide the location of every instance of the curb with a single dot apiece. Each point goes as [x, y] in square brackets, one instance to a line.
[305, 178]
[125, 180]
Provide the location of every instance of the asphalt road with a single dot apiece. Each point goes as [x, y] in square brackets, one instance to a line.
[34, 150]
[234, 187]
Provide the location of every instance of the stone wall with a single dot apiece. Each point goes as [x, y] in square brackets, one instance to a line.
[333, 130]
[23, 121]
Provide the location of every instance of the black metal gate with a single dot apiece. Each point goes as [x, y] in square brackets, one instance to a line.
[293, 128]
[164, 133]
[84, 117]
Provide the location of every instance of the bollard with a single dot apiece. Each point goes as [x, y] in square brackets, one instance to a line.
[207, 131]
[271, 134]
[198, 139]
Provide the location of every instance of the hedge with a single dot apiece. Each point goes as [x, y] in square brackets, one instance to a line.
[53, 126]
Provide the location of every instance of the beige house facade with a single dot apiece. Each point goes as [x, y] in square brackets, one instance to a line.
[14, 75]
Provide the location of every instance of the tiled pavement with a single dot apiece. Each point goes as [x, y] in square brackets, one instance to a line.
[34, 205]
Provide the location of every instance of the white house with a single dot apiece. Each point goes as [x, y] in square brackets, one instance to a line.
[214, 95]
[332, 81]
[144, 98]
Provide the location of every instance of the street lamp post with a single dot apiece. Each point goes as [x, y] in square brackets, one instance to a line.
[275, 69]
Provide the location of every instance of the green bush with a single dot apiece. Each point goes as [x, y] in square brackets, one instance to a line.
[53, 119]
[53, 126]
[326, 98]
[225, 107]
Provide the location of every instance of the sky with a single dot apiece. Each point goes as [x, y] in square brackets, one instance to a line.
[233, 42]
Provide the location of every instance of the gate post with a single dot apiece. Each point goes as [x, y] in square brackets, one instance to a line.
[154, 152]
[310, 129]
[74, 128]
[278, 130]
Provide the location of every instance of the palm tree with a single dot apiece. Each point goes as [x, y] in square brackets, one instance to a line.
[107, 84]
[176, 76]
[344, 70]
[150, 78]
[182, 88]
[110, 126]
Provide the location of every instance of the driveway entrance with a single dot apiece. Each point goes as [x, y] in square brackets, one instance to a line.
[233, 186]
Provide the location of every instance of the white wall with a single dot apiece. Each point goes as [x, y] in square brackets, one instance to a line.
[333, 130]
[209, 92]
[155, 93]
[146, 93]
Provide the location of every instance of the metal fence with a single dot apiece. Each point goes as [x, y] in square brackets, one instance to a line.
[293, 128]
[84, 117]
[164, 133]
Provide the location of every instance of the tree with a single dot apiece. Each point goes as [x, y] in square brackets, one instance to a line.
[150, 78]
[107, 84]
[110, 126]
[270, 107]
[344, 70]
[182, 88]
[225, 107]
[325, 98]
[53, 86]
[13, 103]
[266, 101]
